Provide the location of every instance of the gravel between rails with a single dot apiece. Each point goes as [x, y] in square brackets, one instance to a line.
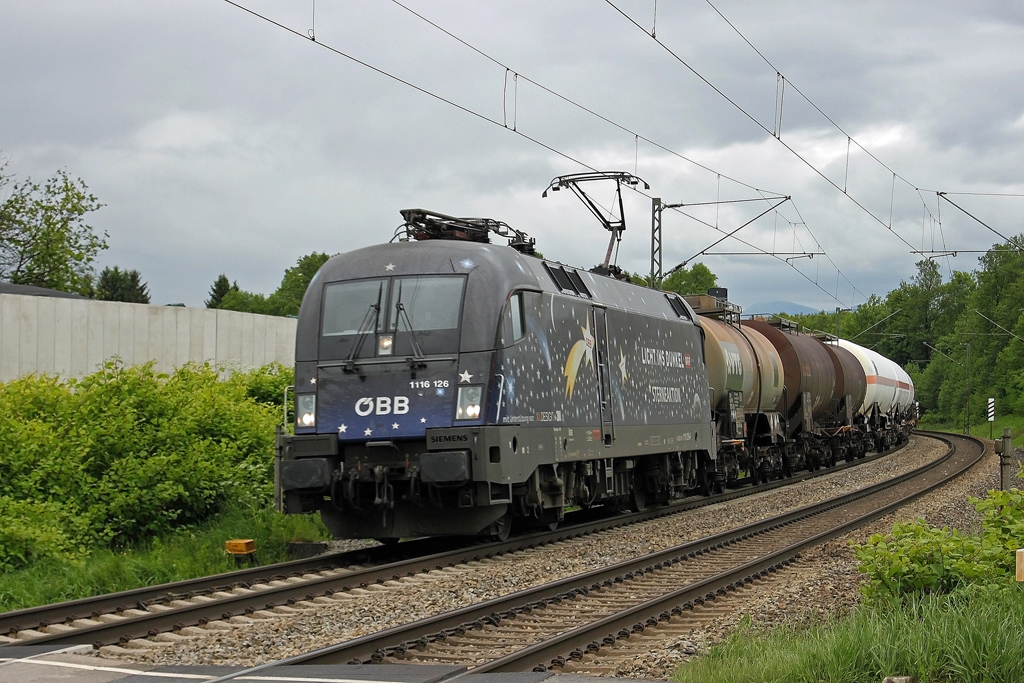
[825, 583]
[290, 631]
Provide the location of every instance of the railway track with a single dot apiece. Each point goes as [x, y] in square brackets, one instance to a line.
[574, 619]
[239, 596]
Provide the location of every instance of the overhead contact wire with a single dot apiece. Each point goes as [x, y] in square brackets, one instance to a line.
[495, 122]
[761, 125]
[569, 100]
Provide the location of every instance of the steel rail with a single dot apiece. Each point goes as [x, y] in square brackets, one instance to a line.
[141, 626]
[570, 645]
[375, 646]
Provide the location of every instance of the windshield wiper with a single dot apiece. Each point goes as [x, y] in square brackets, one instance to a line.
[369, 323]
[417, 350]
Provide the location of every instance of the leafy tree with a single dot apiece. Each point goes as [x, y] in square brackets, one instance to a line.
[122, 285]
[285, 300]
[246, 302]
[44, 240]
[697, 280]
[219, 289]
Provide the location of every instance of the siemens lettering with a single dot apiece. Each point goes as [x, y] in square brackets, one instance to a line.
[382, 405]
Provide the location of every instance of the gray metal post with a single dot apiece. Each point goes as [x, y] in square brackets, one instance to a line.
[656, 242]
[1007, 463]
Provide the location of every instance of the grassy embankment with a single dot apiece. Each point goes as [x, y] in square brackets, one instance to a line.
[969, 636]
[981, 428]
[939, 605]
[182, 554]
[129, 477]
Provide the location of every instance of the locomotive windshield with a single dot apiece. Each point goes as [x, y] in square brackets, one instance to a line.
[421, 312]
[425, 303]
[352, 307]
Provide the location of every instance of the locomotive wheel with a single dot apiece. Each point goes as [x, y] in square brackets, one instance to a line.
[703, 480]
[638, 499]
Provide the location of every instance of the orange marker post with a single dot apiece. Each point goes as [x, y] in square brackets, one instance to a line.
[242, 549]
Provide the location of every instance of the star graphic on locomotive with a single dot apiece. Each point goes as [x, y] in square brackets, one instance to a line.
[582, 350]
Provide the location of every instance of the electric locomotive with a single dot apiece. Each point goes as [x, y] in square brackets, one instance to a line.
[448, 385]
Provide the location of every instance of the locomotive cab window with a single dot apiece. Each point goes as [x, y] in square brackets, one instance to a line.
[679, 307]
[353, 307]
[515, 310]
[423, 304]
[513, 323]
[391, 317]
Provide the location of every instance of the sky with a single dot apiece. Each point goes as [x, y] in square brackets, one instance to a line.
[220, 142]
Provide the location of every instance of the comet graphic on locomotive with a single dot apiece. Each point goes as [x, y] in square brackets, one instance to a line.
[448, 385]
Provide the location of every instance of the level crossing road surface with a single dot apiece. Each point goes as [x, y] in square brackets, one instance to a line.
[53, 664]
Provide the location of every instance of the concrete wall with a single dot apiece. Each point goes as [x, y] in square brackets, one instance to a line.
[74, 337]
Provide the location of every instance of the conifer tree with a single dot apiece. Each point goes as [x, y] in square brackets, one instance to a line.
[221, 286]
[121, 285]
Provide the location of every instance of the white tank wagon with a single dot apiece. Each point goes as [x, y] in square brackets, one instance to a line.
[889, 386]
[890, 391]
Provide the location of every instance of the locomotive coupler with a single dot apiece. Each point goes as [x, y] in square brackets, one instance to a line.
[350, 490]
[385, 492]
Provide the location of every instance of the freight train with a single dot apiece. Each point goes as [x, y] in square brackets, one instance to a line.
[447, 385]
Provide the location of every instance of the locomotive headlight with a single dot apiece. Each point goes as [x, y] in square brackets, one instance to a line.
[305, 410]
[468, 403]
[385, 345]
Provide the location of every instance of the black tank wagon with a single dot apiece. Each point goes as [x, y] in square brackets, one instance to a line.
[446, 385]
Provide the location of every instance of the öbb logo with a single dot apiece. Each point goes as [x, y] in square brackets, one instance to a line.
[382, 405]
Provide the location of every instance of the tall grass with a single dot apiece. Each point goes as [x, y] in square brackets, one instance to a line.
[974, 635]
[188, 553]
[981, 427]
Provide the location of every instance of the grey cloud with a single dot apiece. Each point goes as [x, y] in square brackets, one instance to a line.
[222, 144]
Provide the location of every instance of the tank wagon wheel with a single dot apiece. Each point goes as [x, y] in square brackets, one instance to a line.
[787, 468]
[546, 519]
[501, 529]
[550, 521]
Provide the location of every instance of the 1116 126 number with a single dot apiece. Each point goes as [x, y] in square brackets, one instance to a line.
[426, 384]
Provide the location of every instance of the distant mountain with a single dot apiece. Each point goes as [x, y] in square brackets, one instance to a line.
[774, 307]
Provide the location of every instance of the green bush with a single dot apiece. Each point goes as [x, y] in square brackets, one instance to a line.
[128, 453]
[197, 550]
[971, 636]
[30, 532]
[916, 558]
